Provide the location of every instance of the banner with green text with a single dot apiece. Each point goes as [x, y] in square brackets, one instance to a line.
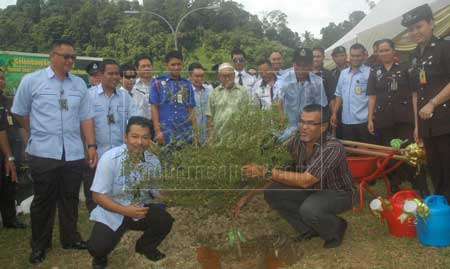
[17, 64]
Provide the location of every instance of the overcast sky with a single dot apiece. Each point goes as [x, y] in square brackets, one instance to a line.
[309, 15]
[303, 15]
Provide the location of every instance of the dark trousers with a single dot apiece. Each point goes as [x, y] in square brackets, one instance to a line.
[405, 171]
[56, 184]
[88, 178]
[338, 133]
[310, 210]
[438, 161]
[7, 198]
[357, 132]
[156, 226]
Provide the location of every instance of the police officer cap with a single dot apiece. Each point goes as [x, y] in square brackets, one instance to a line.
[92, 68]
[303, 55]
[417, 14]
[339, 50]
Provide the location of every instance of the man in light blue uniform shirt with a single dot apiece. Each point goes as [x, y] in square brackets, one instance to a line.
[172, 102]
[53, 106]
[351, 94]
[305, 90]
[121, 205]
[201, 93]
[288, 76]
[112, 108]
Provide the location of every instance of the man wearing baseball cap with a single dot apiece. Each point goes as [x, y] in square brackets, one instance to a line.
[95, 77]
[306, 89]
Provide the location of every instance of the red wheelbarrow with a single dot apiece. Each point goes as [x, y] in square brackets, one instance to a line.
[369, 168]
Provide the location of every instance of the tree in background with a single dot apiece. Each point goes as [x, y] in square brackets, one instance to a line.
[333, 32]
[275, 28]
[100, 28]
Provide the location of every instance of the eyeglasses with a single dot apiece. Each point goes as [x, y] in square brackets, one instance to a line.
[67, 56]
[238, 60]
[309, 123]
[129, 76]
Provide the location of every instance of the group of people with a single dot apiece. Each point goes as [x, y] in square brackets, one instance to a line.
[77, 134]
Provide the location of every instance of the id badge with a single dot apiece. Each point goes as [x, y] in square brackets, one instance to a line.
[111, 119]
[179, 98]
[10, 120]
[394, 85]
[358, 90]
[63, 104]
[422, 76]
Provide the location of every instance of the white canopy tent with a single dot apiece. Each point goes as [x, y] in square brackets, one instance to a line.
[384, 22]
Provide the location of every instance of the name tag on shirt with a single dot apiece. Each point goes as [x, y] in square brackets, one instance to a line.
[179, 98]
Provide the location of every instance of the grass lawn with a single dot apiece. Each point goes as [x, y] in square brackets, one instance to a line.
[367, 243]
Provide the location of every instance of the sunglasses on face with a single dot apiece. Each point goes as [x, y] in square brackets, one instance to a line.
[67, 56]
[238, 60]
[129, 74]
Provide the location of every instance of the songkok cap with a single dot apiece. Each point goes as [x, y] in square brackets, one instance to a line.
[225, 66]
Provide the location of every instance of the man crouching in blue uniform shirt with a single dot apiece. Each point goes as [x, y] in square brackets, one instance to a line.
[172, 102]
[117, 211]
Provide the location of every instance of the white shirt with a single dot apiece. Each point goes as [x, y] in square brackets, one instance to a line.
[262, 94]
[141, 95]
[247, 79]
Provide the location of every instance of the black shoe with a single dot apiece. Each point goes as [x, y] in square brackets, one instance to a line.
[332, 243]
[154, 255]
[15, 225]
[336, 242]
[37, 256]
[77, 245]
[306, 236]
[99, 263]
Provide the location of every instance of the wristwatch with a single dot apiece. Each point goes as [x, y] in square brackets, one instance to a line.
[11, 159]
[92, 146]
